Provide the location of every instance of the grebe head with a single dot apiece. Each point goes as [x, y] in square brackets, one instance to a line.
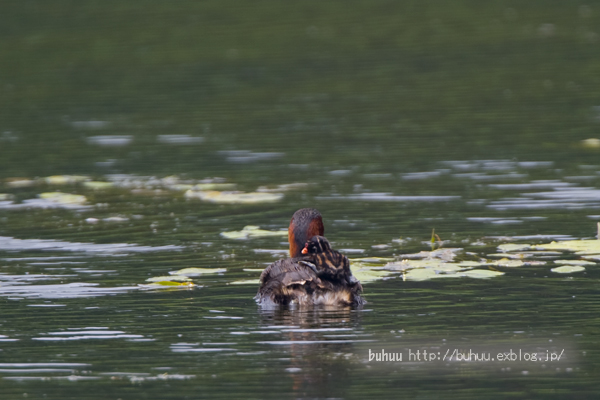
[305, 223]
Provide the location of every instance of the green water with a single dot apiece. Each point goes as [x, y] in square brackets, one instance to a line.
[400, 117]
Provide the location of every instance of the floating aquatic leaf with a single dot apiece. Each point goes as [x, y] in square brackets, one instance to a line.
[505, 262]
[5, 196]
[529, 254]
[591, 257]
[246, 282]
[439, 267]
[214, 196]
[541, 253]
[508, 247]
[63, 198]
[590, 246]
[367, 275]
[481, 273]
[568, 269]
[98, 185]
[443, 254]
[472, 264]
[214, 186]
[433, 264]
[65, 179]
[574, 262]
[371, 261]
[251, 232]
[434, 268]
[425, 274]
[592, 143]
[367, 272]
[168, 278]
[398, 266]
[198, 271]
[535, 263]
[513, 256]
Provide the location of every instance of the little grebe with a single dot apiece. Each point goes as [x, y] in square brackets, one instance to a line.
[330, 264]
[321, 277]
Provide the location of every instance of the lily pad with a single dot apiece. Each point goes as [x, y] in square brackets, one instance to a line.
[514, 256]
[156, 279]
[568, 269]
[591, 143]
[185, 272]
[213, 186]
[541, 253]
[481, 273]
[214, 196]
[251, 232]
[533, 263]
[443, 254]
[590, 246]
[473, 264]
[65, 179]
[425, 274]
[63, 198]
[98, 185]
[433, 264]
[366, 275]
[505, 262]
[508, 247]
[591, 257]
[574, 262]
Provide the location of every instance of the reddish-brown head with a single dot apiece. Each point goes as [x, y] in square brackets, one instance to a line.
[305, 224]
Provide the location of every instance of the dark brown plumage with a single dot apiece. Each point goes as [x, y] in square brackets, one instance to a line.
[330, 264]
[321, 277]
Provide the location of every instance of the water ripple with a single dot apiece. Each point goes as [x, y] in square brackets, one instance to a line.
[12, 244]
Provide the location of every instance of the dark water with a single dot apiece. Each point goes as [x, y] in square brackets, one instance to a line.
[393, 119]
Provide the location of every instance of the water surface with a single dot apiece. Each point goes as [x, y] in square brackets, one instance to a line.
[393, 120]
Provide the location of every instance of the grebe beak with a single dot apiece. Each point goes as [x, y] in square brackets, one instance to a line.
[305, 249]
